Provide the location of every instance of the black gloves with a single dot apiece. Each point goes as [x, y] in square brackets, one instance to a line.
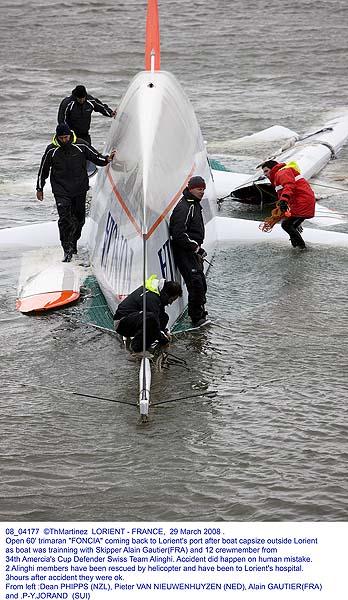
[202, 253]
[283, 205]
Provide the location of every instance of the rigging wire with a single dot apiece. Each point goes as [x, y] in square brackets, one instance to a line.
[72, 393]
[330, 187]
[209, 394]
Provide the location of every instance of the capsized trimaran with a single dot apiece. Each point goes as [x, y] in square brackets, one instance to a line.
[159, 146]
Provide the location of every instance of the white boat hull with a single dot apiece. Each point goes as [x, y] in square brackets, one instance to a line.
[159, 147]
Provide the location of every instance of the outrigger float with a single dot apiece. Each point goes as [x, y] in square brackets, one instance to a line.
[311, 152]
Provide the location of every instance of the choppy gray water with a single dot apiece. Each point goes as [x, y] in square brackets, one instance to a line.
[272, 444]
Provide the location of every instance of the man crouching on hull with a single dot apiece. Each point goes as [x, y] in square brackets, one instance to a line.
[186, 227]
[129, 316]
[66, 158]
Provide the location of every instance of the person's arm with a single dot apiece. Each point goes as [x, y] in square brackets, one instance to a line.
[102, 108]
[163, 318]
[286, 179]
[179, 220]
[156, 309]
[95, 157]
[165, 337]
[154, 306]
[63, 111]
[44, 170]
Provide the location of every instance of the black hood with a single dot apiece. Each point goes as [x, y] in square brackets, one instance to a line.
[187, 194]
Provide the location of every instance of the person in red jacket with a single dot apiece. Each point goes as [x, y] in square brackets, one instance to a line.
[296, 200]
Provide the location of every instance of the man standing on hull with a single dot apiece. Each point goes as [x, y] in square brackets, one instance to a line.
[186, 227]
[76, 111]
[66, 158]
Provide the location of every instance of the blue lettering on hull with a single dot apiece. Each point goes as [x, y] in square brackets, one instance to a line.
[166, 261]
[117, 258]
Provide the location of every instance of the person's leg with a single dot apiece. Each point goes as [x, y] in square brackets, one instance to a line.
[151, 330]
[198, 289]
[298, 223]
[78, 209]
[129, 325]
[191, 269]
[65, 222]
[84, 136]
[291, 225]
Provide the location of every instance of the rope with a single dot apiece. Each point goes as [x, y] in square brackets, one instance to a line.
[276, 215]
[242, 185]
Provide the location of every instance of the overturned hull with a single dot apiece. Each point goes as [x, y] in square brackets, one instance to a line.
[159, 147]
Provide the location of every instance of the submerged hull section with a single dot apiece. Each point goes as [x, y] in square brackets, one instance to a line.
[159, 146]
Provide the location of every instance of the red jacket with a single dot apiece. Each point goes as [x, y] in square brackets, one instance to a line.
[294, 189]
